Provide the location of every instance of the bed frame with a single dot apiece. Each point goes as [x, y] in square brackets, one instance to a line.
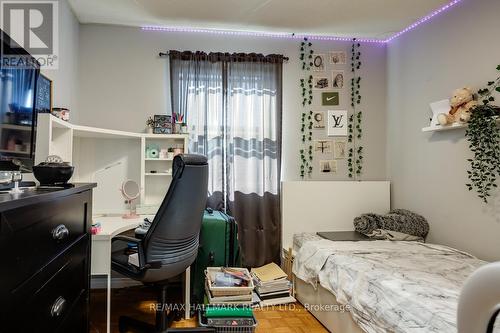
[327, 206]
[323, 305]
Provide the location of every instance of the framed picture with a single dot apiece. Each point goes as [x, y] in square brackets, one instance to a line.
[318, 61]
[337, 122]
[323, 146]
[318, 119]
[43, 101]
[337, 79]
[328, 166]
[339, 149]
[330, 98]
[321, 82]
[337, 57]
[162, 124]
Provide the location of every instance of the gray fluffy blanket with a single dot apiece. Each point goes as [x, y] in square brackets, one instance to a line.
[400, 220]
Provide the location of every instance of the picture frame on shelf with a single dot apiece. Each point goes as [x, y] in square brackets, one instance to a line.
[162, 124]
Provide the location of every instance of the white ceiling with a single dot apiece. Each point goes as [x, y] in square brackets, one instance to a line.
[343, 18]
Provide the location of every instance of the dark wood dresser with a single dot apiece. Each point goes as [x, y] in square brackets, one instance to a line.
[45, 260]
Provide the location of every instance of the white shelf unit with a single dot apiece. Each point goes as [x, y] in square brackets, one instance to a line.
[155, 184]
[108, 157]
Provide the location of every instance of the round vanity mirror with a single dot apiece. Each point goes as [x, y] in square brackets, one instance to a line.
[131, 191]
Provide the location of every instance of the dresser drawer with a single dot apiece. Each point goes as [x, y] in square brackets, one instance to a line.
[33, 237]
[51, 303]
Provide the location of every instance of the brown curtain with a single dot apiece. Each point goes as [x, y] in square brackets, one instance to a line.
[233, 105]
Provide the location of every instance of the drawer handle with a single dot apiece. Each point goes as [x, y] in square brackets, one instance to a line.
[58, 307]
[60, 232]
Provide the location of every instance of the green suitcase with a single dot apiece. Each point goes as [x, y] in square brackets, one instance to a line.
[218, 248]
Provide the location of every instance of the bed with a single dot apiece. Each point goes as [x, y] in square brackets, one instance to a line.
[380, 286]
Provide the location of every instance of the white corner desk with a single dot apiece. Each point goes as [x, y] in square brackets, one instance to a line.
[101, 255]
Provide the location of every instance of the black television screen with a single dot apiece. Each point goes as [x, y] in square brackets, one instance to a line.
[17, 98]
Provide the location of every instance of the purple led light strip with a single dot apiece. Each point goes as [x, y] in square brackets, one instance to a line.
[423, 20]
[301, 36]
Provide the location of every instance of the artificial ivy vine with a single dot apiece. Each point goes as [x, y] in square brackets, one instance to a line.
[306, 54]
[306, 153]
[483, 135]
[355, 152]
[307, 95]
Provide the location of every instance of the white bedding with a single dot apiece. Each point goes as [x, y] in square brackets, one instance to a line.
[390, 286]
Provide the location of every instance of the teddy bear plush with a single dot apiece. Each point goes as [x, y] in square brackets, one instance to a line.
[461, 103]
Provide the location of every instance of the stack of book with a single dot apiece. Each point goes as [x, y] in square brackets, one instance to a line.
[229, 286]
[272, 285]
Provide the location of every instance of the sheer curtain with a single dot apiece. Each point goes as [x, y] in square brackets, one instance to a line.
[232, 103]
[197, 93]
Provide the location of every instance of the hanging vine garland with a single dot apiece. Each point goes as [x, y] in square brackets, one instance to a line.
[306, 54]
[355, 130]
[306, 85]
[306, 153]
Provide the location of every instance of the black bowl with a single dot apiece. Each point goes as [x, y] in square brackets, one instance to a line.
[50, 174]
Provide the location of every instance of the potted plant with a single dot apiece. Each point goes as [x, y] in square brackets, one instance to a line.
[150, 123]
[483, 135]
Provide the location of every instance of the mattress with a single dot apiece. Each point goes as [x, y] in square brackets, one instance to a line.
[303, 237]
[390, 286]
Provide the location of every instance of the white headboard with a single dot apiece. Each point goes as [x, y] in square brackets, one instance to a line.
[312, 206]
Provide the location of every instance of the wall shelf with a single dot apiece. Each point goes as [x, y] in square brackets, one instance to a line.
[439, 128]
[158, 159]
[158, 174]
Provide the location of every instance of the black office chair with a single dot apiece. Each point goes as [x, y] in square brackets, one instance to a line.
[171, 244]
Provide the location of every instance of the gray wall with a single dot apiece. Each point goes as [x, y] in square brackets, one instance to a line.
[428, 171]
[122, 82]
[65, 78]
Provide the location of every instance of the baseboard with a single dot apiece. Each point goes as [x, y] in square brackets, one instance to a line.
[101, 282]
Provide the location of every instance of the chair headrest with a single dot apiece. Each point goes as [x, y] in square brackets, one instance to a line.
[182, 160]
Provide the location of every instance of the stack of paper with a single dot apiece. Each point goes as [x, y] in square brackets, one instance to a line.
[272, 285]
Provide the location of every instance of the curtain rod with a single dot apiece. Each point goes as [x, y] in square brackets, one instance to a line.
[165, 54]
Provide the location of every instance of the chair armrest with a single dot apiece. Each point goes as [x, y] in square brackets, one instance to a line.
[140, 251]
[126, 239]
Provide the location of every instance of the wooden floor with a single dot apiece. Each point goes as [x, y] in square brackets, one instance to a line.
[135, 302]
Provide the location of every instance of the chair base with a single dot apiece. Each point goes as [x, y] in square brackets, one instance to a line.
[162, 321]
